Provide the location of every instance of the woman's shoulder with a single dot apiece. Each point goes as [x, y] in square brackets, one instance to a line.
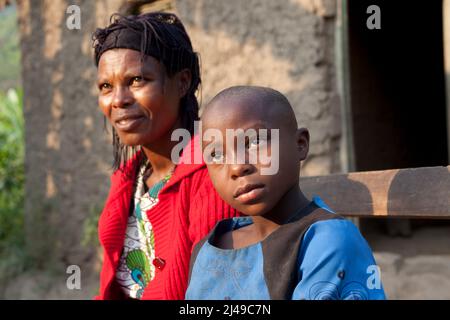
[128, 170]
[189, 165]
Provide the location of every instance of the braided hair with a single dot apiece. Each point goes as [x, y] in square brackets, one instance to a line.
[163, 36]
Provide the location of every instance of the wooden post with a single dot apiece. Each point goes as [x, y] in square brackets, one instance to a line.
[347, 154]
[446, 26]
[343, 78]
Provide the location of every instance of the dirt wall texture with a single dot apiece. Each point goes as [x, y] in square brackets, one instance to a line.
[286, 45]
[68, 154]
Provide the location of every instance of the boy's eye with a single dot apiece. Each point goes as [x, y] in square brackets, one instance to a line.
[136, 80]
[253, 142]
[217, 157]
[256, 141]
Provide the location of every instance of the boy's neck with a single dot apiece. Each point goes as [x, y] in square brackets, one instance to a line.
[291, 203]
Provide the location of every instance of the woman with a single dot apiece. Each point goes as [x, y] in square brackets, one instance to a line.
[156, 211]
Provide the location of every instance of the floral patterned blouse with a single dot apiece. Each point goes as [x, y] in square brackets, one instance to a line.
[136, 268]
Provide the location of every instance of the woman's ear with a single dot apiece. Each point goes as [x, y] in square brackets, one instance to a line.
[184, 82]
[302, 140]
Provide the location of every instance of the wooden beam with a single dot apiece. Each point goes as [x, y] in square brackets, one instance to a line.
[401, 193]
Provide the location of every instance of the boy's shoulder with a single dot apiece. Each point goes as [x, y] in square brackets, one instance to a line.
[338, 238]
[334, 260]
[326, 225]
[329, 229]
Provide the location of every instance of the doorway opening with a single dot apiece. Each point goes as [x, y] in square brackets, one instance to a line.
[397, 93]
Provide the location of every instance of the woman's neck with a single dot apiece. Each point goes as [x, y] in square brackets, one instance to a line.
[159, 160]
[159, 153]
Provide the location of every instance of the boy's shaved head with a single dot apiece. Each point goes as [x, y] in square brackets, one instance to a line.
[267, 118]
[267, 104]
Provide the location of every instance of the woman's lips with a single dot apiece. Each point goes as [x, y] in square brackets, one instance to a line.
[129, 124]
[249, 193]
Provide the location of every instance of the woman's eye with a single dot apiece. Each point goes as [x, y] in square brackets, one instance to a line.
[104, 86]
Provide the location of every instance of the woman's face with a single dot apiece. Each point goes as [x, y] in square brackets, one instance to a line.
[139, 99]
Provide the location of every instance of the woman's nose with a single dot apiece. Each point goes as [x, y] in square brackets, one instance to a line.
[122, 97]
[240, 170]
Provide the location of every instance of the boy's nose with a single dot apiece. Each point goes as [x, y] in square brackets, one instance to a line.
[240, 170]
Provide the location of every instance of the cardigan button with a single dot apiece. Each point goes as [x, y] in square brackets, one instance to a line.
[159, 263]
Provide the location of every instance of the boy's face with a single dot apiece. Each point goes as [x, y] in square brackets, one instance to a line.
[245, 186]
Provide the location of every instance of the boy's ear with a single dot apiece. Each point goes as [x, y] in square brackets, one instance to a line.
[302, 139]
[184, 82]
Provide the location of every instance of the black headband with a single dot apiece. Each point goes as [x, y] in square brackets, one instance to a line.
[126, 38]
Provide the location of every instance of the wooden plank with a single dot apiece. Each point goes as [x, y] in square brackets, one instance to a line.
[401, 193]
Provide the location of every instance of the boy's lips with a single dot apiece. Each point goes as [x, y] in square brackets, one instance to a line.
[249, 192]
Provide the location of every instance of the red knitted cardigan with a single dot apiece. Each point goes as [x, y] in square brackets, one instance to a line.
[187, 210]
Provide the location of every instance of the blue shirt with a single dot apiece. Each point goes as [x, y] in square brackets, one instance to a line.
[334, 262]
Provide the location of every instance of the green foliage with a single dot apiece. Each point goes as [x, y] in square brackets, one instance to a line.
[9, 48]
[89, 233]
[12, 178]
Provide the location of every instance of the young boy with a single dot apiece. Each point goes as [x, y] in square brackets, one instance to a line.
[286, 246]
